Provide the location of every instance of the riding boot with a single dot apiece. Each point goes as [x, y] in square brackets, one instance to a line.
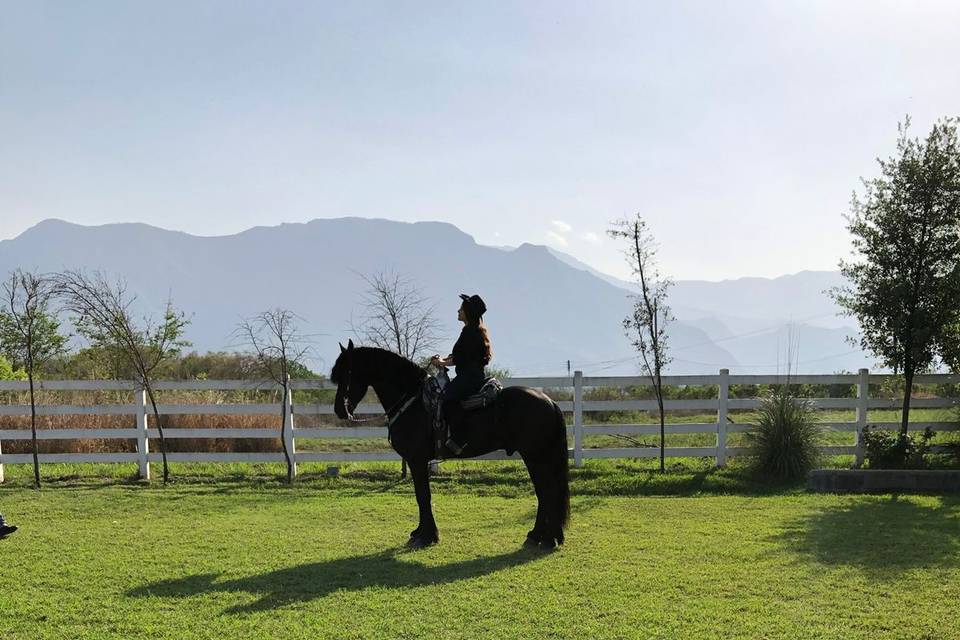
[453, 413]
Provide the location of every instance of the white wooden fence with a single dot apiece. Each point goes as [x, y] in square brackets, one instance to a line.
[721, 427]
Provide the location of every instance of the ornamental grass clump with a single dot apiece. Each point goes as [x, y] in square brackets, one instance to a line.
[784, 444]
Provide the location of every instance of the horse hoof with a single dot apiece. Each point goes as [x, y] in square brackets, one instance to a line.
[419, 542]
[549, 544]
[531, 541]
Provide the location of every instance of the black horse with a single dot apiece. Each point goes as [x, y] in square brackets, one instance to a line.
[522, 419]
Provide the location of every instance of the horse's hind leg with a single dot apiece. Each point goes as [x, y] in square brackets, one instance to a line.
[552, 532]
[539, 477]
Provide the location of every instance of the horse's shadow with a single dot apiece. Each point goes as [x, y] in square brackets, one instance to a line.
[306, 582]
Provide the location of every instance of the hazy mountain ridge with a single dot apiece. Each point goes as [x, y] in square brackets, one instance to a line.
[758, 319]
[543, 309]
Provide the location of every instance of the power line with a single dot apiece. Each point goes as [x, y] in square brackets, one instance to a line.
[707, 342]
[606, 364]
[769, 364]
[752, 333]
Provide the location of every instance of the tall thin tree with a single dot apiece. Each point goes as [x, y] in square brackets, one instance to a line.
[278, 347]
[30, 336]
[646, 326]
[104, 315]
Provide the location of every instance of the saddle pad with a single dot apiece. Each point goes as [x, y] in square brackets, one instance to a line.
[433, 401]
[485, 397]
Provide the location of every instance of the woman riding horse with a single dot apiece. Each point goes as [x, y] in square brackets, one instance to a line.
[470, 355]
[522, 419]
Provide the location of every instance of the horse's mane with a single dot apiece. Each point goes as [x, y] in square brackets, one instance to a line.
[396, 365]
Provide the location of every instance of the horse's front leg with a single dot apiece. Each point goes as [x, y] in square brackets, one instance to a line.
[426, 533]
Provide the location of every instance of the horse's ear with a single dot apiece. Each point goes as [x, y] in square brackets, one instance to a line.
[342, 349]
[350, 345]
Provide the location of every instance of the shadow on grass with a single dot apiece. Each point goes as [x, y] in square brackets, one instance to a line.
[603, 478]
[881, 536]
[682, 480]
[307, 582]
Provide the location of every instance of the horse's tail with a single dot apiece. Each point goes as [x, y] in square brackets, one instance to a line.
[562, 469]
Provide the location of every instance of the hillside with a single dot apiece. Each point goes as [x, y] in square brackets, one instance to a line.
[543, 310]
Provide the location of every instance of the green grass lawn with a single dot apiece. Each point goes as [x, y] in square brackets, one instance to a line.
[695, 553]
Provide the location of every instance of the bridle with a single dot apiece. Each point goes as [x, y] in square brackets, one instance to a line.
[346, 402]
[405, 401]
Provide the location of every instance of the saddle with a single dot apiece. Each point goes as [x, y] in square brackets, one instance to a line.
[433, 402]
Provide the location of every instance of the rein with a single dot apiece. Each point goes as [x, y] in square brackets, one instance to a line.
[405, 402]
[390, 419]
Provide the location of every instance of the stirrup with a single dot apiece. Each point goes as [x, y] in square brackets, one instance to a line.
[454, 446]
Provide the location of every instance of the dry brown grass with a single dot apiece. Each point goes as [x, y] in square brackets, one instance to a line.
[172, 422]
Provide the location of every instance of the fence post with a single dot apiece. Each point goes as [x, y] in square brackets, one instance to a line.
[578, 419]
[863, 397]
[1, 464]
[723, 395]
[143, 443]
[288, 434]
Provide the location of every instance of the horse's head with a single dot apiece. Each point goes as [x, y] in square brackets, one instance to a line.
[351, 379]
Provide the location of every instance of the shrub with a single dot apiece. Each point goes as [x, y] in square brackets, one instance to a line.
[887, 450]
[952, 451]
[784, 444]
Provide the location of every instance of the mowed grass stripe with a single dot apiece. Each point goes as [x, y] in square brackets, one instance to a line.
[234, 561]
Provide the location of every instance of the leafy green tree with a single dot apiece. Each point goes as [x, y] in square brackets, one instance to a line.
[7, 372]
[646, 327]
[104, 316]
[904, 281]
[92, 363]
[30, 336]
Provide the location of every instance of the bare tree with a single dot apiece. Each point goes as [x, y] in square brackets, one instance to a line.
[646, 326]
[30, 335]
[104, 316]
[396, 316]
[278, 347]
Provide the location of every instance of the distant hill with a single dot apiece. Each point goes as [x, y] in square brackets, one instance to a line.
[757, 318]
[545, 307]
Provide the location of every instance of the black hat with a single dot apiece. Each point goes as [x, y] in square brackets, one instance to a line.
[473, 305]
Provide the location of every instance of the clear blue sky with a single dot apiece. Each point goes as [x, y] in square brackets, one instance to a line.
[738, 129]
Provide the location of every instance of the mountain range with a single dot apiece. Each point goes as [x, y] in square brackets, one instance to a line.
[545, 307]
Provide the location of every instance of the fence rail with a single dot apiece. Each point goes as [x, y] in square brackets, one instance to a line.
[721, 427]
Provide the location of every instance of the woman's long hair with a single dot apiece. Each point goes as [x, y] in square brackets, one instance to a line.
[477, 321]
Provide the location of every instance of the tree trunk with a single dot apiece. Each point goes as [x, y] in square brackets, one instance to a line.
[662, 434]
[283, 434]
[658, 388]
[907, 392]
[163, 442]
[33, 432]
